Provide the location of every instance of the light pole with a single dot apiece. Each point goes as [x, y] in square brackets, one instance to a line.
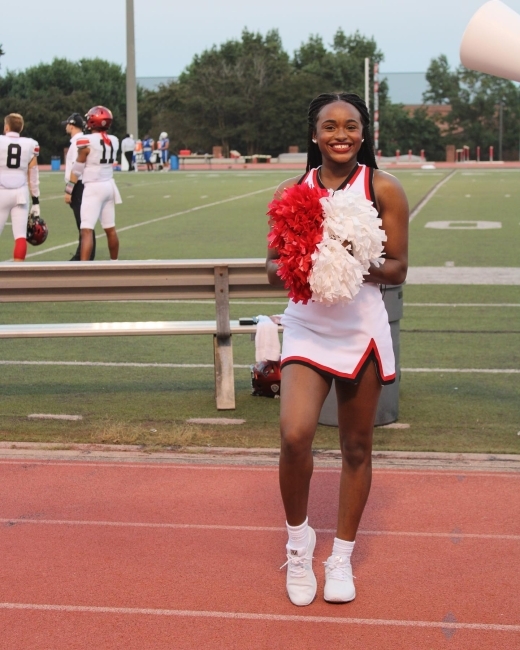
[500, 128]
[131, 84]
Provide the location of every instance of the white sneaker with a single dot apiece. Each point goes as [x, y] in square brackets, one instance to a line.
[339, 581]
[301, 581]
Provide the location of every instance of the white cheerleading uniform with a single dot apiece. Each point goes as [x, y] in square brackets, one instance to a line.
[100, 194]
[16, 152]
[337, 340]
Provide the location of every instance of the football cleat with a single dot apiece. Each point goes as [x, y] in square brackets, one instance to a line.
[99, 118]
[266, 379]
[37, 231]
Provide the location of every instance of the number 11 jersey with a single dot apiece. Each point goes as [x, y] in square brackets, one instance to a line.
[102, 155]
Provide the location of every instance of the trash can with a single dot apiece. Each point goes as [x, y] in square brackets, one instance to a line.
[388, 405]
[174, 163]
[55, 163]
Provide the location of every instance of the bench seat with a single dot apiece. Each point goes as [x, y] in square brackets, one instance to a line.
[150, 328]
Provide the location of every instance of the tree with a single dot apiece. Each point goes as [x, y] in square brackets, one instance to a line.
[47, 94]
[475, 99]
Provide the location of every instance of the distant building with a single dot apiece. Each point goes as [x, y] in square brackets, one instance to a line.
[153, 83]
[405, 87]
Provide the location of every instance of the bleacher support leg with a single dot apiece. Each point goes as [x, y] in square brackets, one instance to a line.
[222, 344]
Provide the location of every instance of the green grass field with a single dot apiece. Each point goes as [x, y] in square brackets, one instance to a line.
[210, 214]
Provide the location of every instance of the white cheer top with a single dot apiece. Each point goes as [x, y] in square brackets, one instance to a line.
[337, 340]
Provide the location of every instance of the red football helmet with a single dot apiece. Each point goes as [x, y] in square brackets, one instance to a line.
[99, 118]
[37, 231]
[266, 379]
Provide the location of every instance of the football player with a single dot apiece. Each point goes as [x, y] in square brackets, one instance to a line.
[147, 152]
[74, 126]
[97, 152]
[163, 145]
[18, 175]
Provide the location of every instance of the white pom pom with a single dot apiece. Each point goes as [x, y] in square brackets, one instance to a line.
[352, 241]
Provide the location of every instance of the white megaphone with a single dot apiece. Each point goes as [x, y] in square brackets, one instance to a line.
[491, 42]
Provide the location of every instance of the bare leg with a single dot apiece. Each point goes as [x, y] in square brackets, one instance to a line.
[357, 406]
[303, 394]
[113, 242]
[87, 242]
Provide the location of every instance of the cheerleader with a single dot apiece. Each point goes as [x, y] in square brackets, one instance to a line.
[348, 340]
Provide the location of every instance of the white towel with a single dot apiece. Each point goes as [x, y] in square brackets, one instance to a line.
[117, 196]
[267, 343]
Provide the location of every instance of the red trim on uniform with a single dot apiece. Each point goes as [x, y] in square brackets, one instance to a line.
[367, 185]
[356, 174]
[36, 150]
[372, 347]
[83, 142]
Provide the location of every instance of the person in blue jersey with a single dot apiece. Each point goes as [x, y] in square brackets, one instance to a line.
[147, 142]
[163, 145]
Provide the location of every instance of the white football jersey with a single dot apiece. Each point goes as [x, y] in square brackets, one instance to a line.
[16, 153]
[100, 160]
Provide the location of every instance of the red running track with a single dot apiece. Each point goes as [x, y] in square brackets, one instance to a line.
[102, 555]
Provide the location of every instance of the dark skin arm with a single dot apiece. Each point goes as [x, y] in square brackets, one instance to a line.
[392, 206]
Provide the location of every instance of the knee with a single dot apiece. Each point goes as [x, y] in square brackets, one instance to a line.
[295, 443]
[356, 452]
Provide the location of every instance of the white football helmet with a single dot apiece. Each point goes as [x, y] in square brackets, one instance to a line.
[163, 135]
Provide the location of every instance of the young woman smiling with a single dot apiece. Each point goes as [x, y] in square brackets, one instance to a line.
[347, 341]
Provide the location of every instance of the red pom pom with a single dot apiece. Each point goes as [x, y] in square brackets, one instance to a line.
[296, 230]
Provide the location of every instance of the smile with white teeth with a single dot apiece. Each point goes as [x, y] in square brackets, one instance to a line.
[340, 147]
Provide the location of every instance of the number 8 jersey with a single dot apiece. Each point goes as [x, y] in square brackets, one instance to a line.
[102, 155]
[16, 152]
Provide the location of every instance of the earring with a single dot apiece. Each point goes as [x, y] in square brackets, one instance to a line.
[362, 140]
[315, 141]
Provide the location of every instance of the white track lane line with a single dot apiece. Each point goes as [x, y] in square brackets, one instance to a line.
[256, 529]
[169, 465]
[124, 364]
[247, 616]
[157, 219]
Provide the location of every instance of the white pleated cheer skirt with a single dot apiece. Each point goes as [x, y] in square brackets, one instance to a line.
[337, 340]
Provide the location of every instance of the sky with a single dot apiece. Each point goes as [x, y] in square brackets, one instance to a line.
[169, 33]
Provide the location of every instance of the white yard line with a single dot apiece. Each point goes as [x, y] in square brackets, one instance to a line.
[461, 304]
[115, 364]
[157, 219]
[250, 616]
[430, 195]
[490, 371]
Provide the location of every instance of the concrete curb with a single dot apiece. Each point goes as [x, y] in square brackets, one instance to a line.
[399, 460]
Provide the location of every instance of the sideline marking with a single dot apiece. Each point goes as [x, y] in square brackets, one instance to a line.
[255, 529]
[430, 195]
[157, 219]
[246, 616]
[123, 364]
[50, 416]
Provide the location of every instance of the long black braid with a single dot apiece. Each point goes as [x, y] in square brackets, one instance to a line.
[365, 154]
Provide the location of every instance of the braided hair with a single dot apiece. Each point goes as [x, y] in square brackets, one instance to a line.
[365, 154]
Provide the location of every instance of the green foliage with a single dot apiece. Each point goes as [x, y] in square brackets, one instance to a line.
[474, 99]
[403, 131]
[47, 94]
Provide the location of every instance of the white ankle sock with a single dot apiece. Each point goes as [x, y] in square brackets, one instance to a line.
[298, 536]
[343, 548]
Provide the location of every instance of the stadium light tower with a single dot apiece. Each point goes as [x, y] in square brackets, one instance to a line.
[131, 83]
